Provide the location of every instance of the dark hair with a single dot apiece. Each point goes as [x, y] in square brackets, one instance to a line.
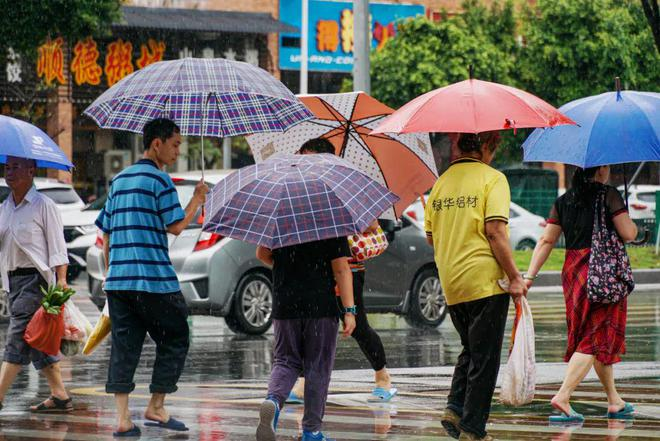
[161, 128]
[317, 145]
[472, 142]
[583, 178]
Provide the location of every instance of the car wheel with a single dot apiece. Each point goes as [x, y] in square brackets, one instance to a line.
[427, 303]
[252, 305]
[525, 245]
[4, 307]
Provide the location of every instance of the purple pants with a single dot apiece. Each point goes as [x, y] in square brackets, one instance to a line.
[304, 346]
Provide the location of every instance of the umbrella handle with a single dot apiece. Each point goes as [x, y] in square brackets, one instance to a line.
[423, 201]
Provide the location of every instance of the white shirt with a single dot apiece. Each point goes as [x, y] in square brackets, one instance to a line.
[31, 236]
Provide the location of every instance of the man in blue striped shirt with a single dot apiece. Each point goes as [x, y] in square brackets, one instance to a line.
[142, 288]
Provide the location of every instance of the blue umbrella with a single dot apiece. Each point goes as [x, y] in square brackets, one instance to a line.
[21, 139]
[613, 128]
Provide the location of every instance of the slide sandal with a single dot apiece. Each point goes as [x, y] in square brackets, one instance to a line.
[381, 395]
[171, 424]
[625, 413]
[133, 431]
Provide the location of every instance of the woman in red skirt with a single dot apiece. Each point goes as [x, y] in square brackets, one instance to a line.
[596, 331]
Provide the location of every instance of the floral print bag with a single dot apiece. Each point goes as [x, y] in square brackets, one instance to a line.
[610, 277]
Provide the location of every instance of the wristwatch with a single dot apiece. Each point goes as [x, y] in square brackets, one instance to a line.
[526, 276]
[351, 309]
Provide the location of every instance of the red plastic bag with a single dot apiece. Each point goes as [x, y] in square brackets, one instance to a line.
[44, 332]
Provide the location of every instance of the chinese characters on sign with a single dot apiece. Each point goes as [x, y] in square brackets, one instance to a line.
[84, 64]
[151, 54]
[347, 31]
[13, 67]
[327, 35]
[50, 61]
[118, 61]
[459, 202]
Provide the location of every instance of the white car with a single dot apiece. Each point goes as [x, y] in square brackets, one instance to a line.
[525, 228]
[64, 196]
[641, 200]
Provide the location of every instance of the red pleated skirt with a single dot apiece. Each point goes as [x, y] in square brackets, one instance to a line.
[597, 329]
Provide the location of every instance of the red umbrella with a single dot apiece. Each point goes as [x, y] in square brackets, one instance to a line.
[472, 106]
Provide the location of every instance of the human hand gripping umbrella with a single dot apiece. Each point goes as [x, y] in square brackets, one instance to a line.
[402, 163]
[293, 199]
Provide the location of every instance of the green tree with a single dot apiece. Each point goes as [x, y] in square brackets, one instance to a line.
[427, 55]
[575, 48]
[652, 13]
[26, 24]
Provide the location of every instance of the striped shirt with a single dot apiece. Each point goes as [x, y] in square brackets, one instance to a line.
[141, 204]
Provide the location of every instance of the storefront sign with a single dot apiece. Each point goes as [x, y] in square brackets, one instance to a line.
[331, 31]
[50, 61]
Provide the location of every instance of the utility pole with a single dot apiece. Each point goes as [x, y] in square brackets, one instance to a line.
[361, 46]
[304, 46]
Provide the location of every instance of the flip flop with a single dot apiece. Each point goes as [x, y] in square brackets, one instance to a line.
[566, 418]
[623, 414]
[294, 399]
[382, 395]
[171, 424]
[133, 431]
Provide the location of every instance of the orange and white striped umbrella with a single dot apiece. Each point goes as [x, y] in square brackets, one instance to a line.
[402, 162]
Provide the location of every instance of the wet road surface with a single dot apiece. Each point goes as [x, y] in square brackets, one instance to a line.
[225, 380]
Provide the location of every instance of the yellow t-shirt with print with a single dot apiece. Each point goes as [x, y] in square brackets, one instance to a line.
[464, 198]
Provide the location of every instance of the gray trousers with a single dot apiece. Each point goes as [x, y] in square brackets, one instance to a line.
[24, 300]
[304, 346]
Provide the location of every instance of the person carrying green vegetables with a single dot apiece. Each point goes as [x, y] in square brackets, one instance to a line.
[32, 254]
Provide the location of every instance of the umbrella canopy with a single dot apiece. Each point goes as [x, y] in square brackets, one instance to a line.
[205, 97]
[472, 106]
[402, 163]
[21, 139]
[293, 199]
[613, 128]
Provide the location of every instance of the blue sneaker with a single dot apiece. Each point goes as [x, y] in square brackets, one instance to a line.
[315, 436]
[269, 413]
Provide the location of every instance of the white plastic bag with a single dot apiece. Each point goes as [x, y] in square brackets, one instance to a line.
[76, 330]
[519, 375]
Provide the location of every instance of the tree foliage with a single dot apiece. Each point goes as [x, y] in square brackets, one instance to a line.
[652, 13]
[575, 48]
[427, 55]
[26, 24]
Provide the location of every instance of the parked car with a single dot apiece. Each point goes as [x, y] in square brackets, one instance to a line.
[64, 196]
[222, 277]
[641, 200]
[525, 228]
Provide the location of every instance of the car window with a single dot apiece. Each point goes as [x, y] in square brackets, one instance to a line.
[4, 192]
[61, 195]
[646, 197]
[97, 204]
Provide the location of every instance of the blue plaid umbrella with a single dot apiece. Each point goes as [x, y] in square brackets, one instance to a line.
[205, 97]
[292, 199]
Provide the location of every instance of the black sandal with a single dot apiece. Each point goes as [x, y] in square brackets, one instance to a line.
[60, 406]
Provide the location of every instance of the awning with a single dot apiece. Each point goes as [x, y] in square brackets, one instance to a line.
[201, 20]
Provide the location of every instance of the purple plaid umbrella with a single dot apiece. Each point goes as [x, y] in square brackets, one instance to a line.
[292, 199]
[204, 96]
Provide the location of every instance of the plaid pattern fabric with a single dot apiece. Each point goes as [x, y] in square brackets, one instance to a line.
[294, 199]
[593, 328]
[210, 97]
